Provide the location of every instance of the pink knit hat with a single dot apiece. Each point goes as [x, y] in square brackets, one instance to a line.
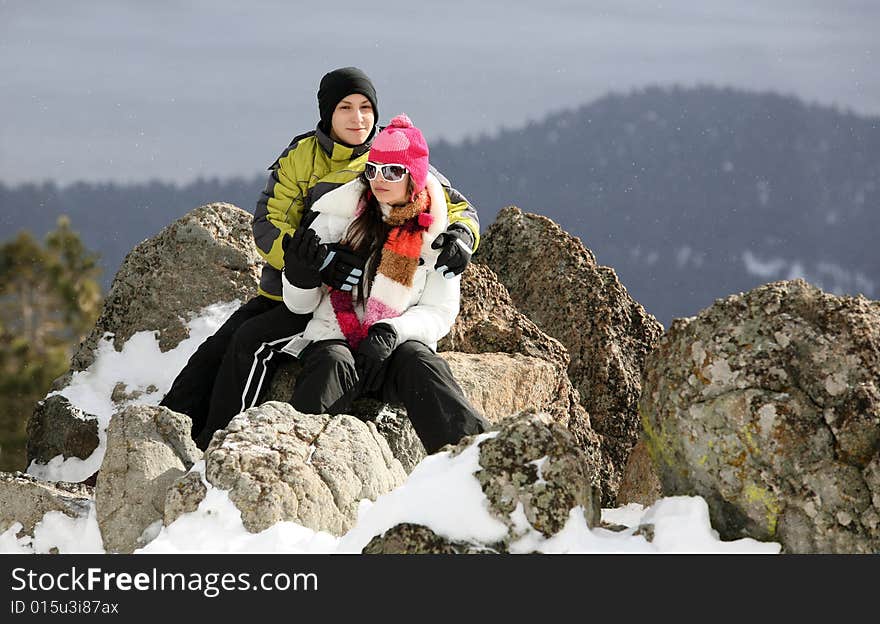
[402, 143]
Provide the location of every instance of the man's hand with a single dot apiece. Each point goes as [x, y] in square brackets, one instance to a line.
[372, 354]
[457, 248]
[303, 255]
[342, 268]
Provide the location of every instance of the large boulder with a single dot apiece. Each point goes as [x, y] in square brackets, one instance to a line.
[555, 281]
[489, 322]
[148, 449]
[205, 257]
[25, 499]
[58, 428]
[639, 483]
[390, 420]
[767, 405]
[533, 474]
[279, 464]
[501, 385]
[536, 465]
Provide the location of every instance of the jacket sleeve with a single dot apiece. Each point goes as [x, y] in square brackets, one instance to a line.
[279, 208]
[432, 317]
[305, 300]
[460, 210]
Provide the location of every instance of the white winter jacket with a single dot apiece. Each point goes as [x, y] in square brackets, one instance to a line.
[434, 300]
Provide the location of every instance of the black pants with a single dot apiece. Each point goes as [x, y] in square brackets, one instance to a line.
[415, 376]
[232, 369]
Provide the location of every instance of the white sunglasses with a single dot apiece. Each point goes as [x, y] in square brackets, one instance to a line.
[391, 172]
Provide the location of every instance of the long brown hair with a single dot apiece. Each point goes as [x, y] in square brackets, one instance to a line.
[366, 235]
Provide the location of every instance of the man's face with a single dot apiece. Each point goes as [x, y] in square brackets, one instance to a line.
[352, 119]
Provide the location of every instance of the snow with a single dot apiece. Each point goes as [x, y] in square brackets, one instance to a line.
[142, 367]
[216, 527]
[442, 492]
[539, 465]
[56, 530]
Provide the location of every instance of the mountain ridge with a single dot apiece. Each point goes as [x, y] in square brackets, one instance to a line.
[690, 194]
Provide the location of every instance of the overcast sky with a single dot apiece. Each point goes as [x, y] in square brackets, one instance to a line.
[125, 90]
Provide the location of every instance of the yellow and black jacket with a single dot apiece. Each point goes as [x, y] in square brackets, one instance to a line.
[312, 165]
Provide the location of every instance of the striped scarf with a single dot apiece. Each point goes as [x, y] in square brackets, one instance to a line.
[390, 291]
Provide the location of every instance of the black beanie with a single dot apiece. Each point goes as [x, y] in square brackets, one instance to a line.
[339, 83]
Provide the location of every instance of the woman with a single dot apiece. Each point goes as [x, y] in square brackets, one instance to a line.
[232, 369]
[380, 336]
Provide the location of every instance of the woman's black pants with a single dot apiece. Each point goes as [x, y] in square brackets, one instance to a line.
[415, 376]
[231, 371]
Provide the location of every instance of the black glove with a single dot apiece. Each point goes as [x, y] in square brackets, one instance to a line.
[372, 355]
[303, 255]
[457, 243]
[342, 268]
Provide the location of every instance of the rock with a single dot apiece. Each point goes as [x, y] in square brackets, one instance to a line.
[205, 257]
[536, 464]
[148, 449]
[393, 424]
[415, 539]
[489, 322]
[500, 384]
[640, 483]
[604, 476]
[766, 404]
[533, 473]
[26, 499]
[555, 281]
[278, 464]
[390, 420]
[646, 531]
[121, 393]
[184, 496]
[58, 428]
[504, 363]
[497, 384]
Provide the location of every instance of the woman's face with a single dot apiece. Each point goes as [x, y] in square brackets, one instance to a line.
[391, 193]
[352, 120]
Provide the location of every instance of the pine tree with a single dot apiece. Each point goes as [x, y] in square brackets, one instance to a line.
[49, 297]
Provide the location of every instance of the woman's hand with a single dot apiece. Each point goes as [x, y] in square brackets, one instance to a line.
[372, 354]
[303, 256]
